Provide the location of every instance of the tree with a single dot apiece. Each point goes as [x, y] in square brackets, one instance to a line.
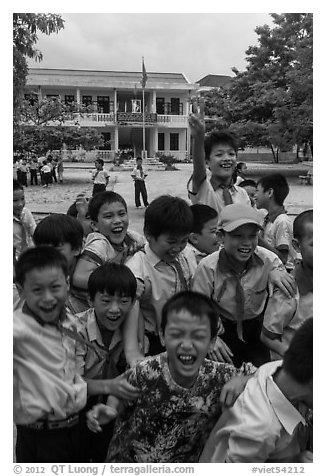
[270, 103]
[25, 27]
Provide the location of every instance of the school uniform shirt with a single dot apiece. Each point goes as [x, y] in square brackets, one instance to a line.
[278, 232]
[23, 230]
[94, 362]
[161, 281]
[284, 316]
[238, 297]
[214, 198]
[46, 169]
[139, 174]
[168, 423]
[100, 176]
[46, 381]
[262, 425]
[193, 254]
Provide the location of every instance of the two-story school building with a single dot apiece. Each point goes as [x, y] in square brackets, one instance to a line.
[116, 98]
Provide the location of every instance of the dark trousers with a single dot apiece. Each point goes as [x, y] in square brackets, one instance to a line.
[54, 176]
[47, 178]
[34, 177]
[98, 188]
[23, 178]
[140, 189]
[48, 446]
[252, 350]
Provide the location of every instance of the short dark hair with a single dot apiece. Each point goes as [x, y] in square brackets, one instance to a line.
[40, 257]
[112, 278]
[299, 223]
[219, 137]
[248, 183]
[58, 228]
[202, 214]
[167, 214]
[298, 358]
[17, 185]
[100, 161]
[99, 199]
[197, 304]
[239, 166]
[279, 185]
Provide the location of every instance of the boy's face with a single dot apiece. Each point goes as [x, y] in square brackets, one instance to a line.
[98, 165]
[222, 161]
[18, 202]
[187, 339]
[45, 291]
[208, 240]
[112, 222]
[262, 197]
[305, 245]
[167, 246]
[251, 191]
[69, 252]
[241, 243]
[110, 310]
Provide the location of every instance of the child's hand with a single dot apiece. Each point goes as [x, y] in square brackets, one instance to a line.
[100, 415]
[306, 457]
[221, 352]
[121, 388]
[284, 281]
[81, 205]
[196, 119]
[232, 389]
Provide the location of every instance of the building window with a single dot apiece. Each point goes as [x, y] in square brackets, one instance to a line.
[103, 104]
[174, 141]
[54, 97]
[175, 106]
[107, 138]
[160, 141]
[160, 105]
[69, 98]
[32, 98]
[87, 100]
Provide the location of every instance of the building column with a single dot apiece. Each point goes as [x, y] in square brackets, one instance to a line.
[78, 96]
[155, 141]
[154, 102]
[115, 98]
[116, 138]
[39, 93]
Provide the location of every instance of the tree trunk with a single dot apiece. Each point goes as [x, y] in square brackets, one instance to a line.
[273, 152]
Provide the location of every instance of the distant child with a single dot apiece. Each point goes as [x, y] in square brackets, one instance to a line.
[279, 327]
[33, 168]
[217, 151]
[110, 240]
[46, 172]
[48, 391]
[112, 292]
[204, 237]
[54, 163]
[23, 221]
[237, 277]
[277, 235]
[240, 173]
[66, 234]
[139, 175]
[250, 187]
[60, 169]
[100, 177]
[182, 393]
[162, 268]
[23, 171]
[270, 421]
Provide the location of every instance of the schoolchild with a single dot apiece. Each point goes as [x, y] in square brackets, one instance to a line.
[66, 234]
[48, 391]
[238, 278]
[271, 421]
[217, 151]
[23, 221]
[60, 169]
[204, 237]
[181, 391]
[100, 357]
[139, 175]
[279, 327]
[162, 268]
[23, 168]
[111, 240]
[100, 177]
[277, 234]
[240, 173]
[33, 168]
[46, 173]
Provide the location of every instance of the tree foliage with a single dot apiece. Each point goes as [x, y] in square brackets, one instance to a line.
[270, 103]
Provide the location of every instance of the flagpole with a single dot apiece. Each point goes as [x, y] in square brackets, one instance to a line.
[143, 123]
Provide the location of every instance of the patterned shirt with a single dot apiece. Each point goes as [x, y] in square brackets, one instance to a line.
[169, 423]
[23, 229]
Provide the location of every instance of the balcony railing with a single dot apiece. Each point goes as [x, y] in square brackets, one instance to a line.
[126, 118]
[168, 119]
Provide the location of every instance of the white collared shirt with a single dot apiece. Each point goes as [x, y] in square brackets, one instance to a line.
[262, 425]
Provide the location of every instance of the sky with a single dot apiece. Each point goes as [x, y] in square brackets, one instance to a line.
[195, 44]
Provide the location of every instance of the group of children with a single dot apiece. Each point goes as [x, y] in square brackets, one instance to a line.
[131, 348]
[49, 169]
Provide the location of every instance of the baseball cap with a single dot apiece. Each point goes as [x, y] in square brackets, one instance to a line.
[234, 215]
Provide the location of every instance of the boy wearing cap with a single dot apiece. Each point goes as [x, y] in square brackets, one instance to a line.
[237, 278]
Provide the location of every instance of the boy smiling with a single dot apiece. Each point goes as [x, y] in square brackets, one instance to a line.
[181, 392]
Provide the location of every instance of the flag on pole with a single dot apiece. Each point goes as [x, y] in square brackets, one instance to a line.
[144, 75]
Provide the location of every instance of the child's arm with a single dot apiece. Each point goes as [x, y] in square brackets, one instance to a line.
[107, 178]
[273, 343]
[119, 387]
[82, 272]
[236, 385]
[282, 252]
[102, 414]
[82, 207]
[130, 336]
[221, 352]
[197, 131]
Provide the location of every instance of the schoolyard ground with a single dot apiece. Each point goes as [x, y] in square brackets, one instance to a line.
[58, 197]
